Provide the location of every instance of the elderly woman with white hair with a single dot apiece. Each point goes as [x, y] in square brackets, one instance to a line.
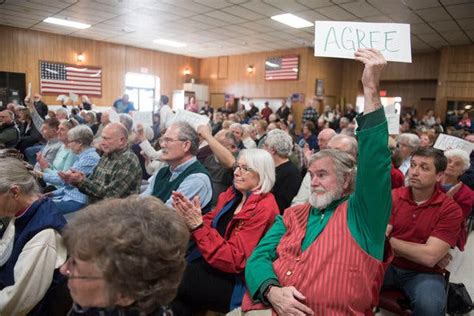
[224, 238]
[68, 198]
[458, 163]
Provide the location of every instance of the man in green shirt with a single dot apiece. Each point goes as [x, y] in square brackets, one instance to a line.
[368, 209]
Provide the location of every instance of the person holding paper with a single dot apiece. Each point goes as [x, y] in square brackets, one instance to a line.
[328, 256]
[183, 172]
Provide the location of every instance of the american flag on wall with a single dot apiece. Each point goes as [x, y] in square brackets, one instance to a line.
[56, 78]
[282, 68]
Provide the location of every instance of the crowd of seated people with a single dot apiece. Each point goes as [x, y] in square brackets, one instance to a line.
[254, 200]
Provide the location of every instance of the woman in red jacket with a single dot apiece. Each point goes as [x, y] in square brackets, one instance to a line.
[223, 239]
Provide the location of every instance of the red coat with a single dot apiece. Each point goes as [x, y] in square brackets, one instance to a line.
[397, 177]
[244, 231]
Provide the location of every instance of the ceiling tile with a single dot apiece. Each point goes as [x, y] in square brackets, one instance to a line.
[336, 13]
[445, 26]
[225, 17]
[361, 9]
[215, 4]
[243, 12]
[421, 28]
[467, 24]
[422, 4]
[452, 2]
[257, 27]
[434, 37]
[289, 6]
[312, 16]
[262, 8]
[313, 4]
[388, 7]
[433, 14]
[406, 17]
[379, 19]
[462, 11]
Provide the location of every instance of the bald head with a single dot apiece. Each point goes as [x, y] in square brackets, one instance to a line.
[114, 138]
[324, 136]
[345, 143]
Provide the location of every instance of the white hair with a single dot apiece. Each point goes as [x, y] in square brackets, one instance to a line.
[280, 141]
[262, 162]
[459, 153]
[412, 140]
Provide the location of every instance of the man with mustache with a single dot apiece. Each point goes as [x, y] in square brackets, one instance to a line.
[328, 256]
[182, 172]
[425, 223]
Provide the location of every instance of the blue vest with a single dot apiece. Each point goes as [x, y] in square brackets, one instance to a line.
[41, 215]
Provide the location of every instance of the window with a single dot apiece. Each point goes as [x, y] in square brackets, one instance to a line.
[143, 90]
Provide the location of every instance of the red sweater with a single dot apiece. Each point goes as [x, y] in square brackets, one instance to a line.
[230, 253]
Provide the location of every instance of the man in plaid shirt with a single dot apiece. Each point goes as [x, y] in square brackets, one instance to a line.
[118, 173]
[310, 113]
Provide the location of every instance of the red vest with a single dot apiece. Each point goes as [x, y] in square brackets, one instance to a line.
[334, 273]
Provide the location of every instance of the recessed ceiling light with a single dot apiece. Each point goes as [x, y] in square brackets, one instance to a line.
[292, 20]
[77, 25]
[166, 42]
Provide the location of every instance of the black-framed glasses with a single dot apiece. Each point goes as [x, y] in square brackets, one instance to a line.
[70, 262]
[243, 169]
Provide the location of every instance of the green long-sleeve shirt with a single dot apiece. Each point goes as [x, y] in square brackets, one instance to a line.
[367, 213]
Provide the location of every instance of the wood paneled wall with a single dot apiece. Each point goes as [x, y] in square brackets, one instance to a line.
[23, 49]
[456, 76]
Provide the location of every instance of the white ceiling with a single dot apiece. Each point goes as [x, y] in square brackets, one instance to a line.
[229, 27]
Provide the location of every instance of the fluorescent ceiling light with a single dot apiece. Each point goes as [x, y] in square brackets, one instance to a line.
[69, 23]
[292, 20]
[169, 43]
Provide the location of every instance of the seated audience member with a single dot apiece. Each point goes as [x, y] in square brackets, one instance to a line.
[63, 160]
[61, 114]
[127, 121]
[458, 163]
[118, 172]
[104, 120]
[123, 105]
[49, 130]
[343, 124]
[327, 256]
[91, 121]
[309, 136]
[224, 238]
[248, 138]
[425, 223]
[32, 250]
[219, 165]
[183, 172]
[408, 143]
[261, 126]
[310, 114]
[29, 134]
[324, 137]
[75, 115]
[427, 139]
[238, 131]
[68, 198]
[9, 132]
[468, 176]
[126, 257]
[288, 178]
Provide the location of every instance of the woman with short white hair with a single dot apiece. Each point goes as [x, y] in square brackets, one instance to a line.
[225, 237]
[458, 163]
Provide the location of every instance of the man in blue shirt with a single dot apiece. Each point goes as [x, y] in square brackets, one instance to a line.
[123, 105]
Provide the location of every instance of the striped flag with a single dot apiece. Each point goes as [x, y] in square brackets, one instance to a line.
[282, 68]
[59, 78]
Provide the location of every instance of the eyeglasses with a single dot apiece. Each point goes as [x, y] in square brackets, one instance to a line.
[242, 169]
[71, 262]
[166, 140]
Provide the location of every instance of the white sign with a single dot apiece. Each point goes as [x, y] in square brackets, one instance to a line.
[393, 121]
[144, 118]
[29, 90]
[74, 97]
[192, 118]
[445, 142]
[342, 39]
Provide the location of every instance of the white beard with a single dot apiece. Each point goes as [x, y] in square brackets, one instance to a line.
[321, 201]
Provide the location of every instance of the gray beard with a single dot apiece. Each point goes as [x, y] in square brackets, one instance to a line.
[322, 201]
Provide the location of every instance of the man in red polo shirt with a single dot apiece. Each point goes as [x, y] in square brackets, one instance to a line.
[425, 223]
